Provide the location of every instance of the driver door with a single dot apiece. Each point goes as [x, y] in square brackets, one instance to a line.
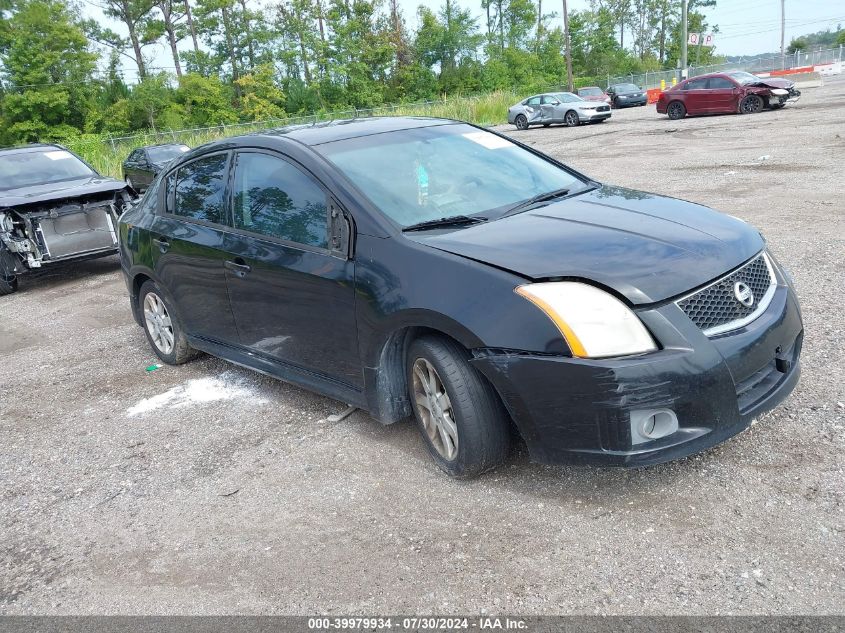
[549, 109]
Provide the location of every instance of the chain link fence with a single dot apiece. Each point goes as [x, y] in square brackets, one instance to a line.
[798, 59]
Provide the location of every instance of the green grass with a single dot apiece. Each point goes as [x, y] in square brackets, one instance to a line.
[106, 155]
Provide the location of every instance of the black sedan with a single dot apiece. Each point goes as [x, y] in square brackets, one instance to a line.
[624, 95]
[143, 164]
[427, 267]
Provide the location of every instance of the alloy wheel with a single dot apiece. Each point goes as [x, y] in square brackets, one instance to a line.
[751, 104]
[435, 409]
[676, 110]
[571, 119]
[521, 122]
[158, 322]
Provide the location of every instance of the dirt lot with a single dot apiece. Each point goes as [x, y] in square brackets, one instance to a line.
[210, 489]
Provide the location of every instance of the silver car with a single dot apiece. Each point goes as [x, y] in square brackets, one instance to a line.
[556, 107]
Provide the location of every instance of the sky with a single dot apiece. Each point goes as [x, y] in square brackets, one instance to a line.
[746, 27]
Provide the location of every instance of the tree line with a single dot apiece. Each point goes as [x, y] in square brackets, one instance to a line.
[233, 60]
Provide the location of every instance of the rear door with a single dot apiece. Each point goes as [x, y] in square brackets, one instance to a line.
[292, 295]
[533, 110]
[696, 97]
[188, 239]
[723, 94]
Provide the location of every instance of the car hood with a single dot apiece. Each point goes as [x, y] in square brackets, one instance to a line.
[646, 247]
[59, 190]
[773, 82]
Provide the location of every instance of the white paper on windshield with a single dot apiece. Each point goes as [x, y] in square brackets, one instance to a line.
[490, 141]
[58, 154]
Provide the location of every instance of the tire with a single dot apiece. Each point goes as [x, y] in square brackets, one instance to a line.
[570, 119]
[8, 284]
[470, 434]
[177, 351]
[751, 104]
[676, 110]
[521, 122]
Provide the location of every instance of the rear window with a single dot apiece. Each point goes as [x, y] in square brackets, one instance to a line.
[167, 152]
[199, 189]
[27, 168]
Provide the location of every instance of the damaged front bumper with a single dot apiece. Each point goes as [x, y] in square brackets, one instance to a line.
[572, 410]
[52, 232]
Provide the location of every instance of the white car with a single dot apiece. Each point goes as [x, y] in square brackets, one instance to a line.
[556, 107]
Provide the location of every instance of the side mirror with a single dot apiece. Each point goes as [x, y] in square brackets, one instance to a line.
[555, 102]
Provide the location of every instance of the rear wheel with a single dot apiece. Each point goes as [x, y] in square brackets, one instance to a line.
[570, 119]
[521, 122]
[162, 326]
[459, 415]
[676, 110]
[751, 104]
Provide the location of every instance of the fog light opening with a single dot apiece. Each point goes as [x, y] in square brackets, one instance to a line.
[652, 424]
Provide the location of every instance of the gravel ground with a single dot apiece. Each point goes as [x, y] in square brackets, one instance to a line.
[209, 489]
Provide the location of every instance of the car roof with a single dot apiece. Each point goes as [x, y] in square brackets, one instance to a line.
[32, 147]
[341, 129]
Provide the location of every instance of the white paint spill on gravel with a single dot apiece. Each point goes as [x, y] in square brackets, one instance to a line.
[198, 391]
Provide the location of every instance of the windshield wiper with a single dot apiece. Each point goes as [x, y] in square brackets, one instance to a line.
[543, 197]
[455, 220]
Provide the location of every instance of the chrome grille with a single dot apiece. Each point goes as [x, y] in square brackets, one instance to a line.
[603, 108]
[716, 308]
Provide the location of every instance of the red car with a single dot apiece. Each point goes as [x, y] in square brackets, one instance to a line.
[593, 93]
[724, 93]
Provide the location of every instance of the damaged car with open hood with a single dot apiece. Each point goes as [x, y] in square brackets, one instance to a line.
[54, 208]
[726, 93]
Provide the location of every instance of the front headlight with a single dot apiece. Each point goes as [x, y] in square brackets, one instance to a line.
[594, 323]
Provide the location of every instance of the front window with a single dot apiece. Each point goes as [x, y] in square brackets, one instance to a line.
[27, 167]
[626, 88]
[443, 171]
[167, 152]
[743, 78]
[274, 198]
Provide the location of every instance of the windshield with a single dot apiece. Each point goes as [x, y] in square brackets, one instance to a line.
[166, 152]
[442, 171]
[626, 88]
[743, 77]
[590, 92]
[25, 168]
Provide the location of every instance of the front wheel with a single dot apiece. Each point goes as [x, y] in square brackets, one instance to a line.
[571, 119]
[162, 326]
[676, 110]
[8, 283]
[751, 104]
[521, 122]
[460, 416]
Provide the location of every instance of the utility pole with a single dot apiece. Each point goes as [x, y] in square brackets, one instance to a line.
[569, 85]
[684, 38]
[782, 33]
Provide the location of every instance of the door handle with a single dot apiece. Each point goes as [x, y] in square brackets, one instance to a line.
[162, 244]
[239, 267]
